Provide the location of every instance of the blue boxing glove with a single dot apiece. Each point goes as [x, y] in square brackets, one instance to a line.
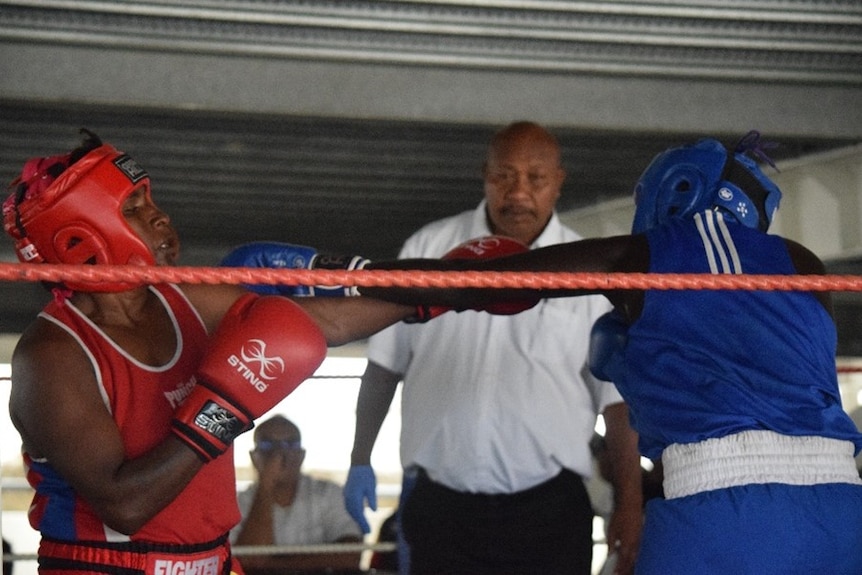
[361, 485]
[608, 339]
[281, 255]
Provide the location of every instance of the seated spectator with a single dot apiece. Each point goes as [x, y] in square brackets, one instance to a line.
[287, 507]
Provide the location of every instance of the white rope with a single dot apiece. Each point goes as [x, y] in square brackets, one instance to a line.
[249, 550]
[246, 550]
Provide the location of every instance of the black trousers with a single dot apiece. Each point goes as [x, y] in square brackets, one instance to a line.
[545, 530]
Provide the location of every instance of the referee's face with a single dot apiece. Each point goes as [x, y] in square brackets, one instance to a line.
[523, 179]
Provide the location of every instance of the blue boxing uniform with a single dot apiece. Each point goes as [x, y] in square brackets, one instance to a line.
[742, 405]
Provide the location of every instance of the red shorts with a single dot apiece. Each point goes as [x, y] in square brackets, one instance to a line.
[136, 558]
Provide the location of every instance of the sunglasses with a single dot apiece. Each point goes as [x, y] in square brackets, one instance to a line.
[267, 446]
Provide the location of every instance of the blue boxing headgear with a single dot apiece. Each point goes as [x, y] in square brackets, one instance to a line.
[682, 181]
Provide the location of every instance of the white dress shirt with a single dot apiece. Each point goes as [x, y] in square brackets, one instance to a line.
[495, 404]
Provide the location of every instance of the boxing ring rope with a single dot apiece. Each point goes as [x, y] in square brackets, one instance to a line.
[426, 279]
[16, 272]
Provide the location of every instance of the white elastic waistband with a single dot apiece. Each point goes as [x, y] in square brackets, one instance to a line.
[756, 456]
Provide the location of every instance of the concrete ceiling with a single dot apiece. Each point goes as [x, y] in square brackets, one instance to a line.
[346, 125]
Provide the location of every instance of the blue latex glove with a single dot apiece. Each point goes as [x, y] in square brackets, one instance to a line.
[361, 486]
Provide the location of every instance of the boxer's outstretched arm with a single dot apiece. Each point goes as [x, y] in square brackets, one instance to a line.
[614, 254]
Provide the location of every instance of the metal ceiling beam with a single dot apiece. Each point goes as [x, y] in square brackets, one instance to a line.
[801, 41]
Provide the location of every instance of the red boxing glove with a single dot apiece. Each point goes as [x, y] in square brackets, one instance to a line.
[264, 347]
[484, 248]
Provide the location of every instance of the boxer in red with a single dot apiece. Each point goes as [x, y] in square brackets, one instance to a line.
[128, 397]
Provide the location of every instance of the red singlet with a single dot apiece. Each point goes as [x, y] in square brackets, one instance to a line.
[141, 399]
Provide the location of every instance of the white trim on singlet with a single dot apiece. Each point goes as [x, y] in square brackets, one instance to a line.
[146, 367]
[86, 350]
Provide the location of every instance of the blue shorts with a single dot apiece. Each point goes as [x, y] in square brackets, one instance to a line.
[761, 529]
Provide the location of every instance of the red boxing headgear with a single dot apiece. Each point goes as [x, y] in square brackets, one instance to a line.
[74, 214]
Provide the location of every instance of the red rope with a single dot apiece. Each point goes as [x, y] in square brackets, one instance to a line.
[839, 369]
[380, 278]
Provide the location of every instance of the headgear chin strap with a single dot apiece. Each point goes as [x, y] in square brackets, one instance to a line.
[682, 181]
[73, 214]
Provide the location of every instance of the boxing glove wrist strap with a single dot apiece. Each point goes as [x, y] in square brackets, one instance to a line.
[209, 423]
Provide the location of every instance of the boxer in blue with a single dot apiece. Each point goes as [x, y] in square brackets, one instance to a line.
[735, 391]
